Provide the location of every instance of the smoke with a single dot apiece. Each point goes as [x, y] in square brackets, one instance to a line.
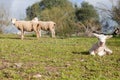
[5, 3]
[15, 9]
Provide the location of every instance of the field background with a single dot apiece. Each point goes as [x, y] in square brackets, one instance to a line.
[56, 59]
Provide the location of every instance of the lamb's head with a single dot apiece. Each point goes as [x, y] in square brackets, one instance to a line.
[102, 37]
[13, 20]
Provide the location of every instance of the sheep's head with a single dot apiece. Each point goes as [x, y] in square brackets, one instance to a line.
[102, 37]
[13, 20]
[35, 19]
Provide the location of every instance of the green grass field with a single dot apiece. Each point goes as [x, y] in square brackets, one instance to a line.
[56, 59]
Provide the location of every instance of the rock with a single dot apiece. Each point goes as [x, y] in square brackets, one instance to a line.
[37, 76]
[18, 65]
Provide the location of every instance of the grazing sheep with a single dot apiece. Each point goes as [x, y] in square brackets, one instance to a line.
[26, 26]
[100, 48]
[47, 26]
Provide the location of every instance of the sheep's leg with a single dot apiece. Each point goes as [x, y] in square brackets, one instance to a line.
[40, 33]
[22, 35]
[37, 34]
[52, 33]
[36, 30]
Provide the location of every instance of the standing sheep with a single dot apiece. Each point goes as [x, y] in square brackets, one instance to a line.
[28, 26]
[47, 26]
[100, 48]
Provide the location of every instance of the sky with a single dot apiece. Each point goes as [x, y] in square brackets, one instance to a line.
[77, 1]
[17, 8]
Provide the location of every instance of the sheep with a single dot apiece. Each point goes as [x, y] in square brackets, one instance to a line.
[47, 26]
[26, 26]
[100, 48]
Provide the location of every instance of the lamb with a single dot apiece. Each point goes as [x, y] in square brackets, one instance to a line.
[100, 48]
[28, 26]
[47, 26]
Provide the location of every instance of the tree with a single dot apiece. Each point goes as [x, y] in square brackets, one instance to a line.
[110, 16]
[88, 17]
[115, 13]
[111, 13]
[59, 11]
[32, 11]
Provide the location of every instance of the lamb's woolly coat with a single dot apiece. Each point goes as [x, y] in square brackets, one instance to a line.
[100, 47]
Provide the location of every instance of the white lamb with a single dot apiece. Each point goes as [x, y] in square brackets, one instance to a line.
[100, 48]
[26, 26]
[47, 26]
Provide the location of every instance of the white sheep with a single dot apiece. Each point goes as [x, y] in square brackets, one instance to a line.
[46, 25]
[100, 48]
[26, 26]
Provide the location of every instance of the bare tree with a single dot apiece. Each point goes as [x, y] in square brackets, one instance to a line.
[112, 13]
[4, 15]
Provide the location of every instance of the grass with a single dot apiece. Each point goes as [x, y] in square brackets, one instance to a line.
[56, 59]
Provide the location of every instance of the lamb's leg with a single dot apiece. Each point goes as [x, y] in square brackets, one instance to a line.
[92, 53]
[101, 53]
[108, 51]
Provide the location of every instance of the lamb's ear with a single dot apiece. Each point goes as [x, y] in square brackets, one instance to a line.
[95, 34]
[109, 36]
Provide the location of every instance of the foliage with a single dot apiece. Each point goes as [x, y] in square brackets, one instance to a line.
[88, 16]
[111, 13]
[85, 12]
[56, 59]
[66, 15]
[53, 3]
[59, 11]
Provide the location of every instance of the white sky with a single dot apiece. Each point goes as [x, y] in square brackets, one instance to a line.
[18, 7]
